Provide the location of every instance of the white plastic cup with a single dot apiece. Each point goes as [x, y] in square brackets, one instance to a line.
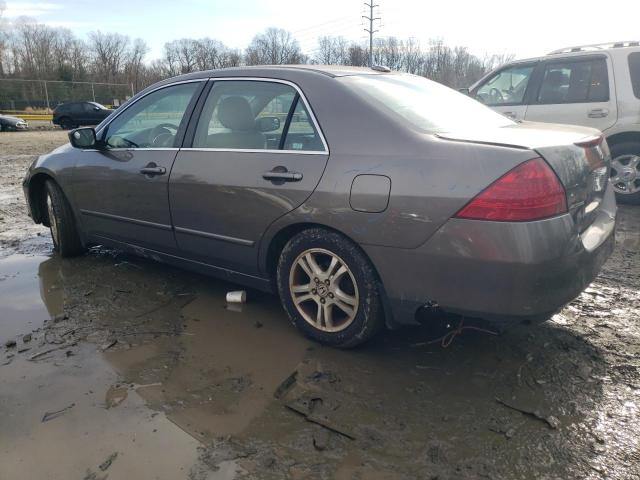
[239, 296]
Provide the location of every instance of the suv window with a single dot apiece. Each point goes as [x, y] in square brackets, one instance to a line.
[507, 87]
[154, 120]
[634, 68]
[252, 115]
[578, 81]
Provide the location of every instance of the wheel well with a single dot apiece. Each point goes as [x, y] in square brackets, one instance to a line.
[37, 198]
[623, 137]
[283, 236]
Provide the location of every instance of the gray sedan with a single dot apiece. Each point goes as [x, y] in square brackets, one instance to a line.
[358, 195]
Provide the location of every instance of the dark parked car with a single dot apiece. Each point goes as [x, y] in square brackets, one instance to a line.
[358, 195]
[9, 123]
[74, 114]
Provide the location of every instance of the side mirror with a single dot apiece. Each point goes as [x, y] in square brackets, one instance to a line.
[83, 138]
[96, 109]
[268, 124]
[464, 90]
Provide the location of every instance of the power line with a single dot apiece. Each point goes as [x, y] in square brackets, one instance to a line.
[370, 30]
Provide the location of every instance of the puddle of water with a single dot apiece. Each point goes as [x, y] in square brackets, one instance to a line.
[226, 364]
[30, 293]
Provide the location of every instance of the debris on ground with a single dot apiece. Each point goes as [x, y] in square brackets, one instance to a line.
[115, 396]
[550, 420]
[239, 296]
[107, 463]
[55, 414]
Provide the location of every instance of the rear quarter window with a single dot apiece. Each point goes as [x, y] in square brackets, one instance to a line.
[634, 69]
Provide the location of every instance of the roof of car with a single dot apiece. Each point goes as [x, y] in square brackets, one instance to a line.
[329, 70]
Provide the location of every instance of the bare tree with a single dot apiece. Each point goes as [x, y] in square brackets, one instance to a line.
[109, 51]
[332, 51]
[274, 47]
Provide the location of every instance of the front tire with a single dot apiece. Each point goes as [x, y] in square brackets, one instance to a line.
[625, 172]
[329, 288]
[62, 224]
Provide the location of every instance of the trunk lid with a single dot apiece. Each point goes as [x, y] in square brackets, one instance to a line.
[579, 156]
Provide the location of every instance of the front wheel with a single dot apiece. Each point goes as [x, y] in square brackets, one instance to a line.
[64, 233]
[329, 288]
[625, 172]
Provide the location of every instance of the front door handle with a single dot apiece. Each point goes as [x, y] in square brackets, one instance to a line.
[153, 169]
[598, 113]
[281, 174]
[511, 115]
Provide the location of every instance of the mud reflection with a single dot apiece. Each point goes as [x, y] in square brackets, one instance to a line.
[30, 293]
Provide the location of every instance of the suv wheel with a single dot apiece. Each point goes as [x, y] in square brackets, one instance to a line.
[625, 171]
[64, 233]
[66, 123]
[329, 288]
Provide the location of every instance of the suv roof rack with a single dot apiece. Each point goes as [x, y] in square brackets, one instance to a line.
[596, 46]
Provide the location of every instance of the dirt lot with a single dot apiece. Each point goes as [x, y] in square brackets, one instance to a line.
[123, 368]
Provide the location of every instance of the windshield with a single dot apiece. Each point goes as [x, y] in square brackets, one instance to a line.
[427, 105]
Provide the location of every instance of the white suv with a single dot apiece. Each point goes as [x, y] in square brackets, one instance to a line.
[593, 85]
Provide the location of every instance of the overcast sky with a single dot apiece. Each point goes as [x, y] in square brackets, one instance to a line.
[522, 28]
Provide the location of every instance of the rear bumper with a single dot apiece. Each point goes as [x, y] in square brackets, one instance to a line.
[498, 270]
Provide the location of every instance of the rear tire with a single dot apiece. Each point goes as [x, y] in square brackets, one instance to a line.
[329, 288]
[625, 157]
[66, 123]
[62, 224]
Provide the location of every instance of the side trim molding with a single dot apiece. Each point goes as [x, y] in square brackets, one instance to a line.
[215, 236]
[135, 221]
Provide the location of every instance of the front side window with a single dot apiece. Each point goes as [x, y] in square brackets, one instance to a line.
[506, 87]
[153, 121]
[254, 115]
[575, 82]
[634, 69]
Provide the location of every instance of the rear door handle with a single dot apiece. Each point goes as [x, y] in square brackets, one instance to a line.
[282, 176]
[598, 113]
[153, 170]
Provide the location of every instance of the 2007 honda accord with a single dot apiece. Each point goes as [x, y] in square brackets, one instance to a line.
[359, 195]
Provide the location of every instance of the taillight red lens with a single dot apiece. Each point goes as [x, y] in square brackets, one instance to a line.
[531, 191]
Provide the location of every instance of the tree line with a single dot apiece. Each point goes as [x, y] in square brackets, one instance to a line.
[30, 50]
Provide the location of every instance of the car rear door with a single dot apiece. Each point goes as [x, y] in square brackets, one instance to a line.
[237, 172]
[576, 91]
[122, 190]
[506, 91]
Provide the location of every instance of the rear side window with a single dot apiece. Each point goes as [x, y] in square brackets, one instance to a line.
[255, 115]
[634, 68]
[575, 82]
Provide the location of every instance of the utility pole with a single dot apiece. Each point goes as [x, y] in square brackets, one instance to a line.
[370, 30]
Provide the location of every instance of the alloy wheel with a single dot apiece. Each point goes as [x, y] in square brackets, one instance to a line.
[625, 174]
[53, 221]
[324, 290]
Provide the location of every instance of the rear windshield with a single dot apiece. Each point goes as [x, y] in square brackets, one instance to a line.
[428, 106]
[634, 68]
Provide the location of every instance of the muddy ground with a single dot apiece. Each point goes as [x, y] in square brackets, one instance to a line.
[123, 368]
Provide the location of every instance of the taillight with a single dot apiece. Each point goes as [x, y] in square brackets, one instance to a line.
[531, 191]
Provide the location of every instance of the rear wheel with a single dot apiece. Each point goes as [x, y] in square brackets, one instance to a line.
[625, 171]
[64, 233]
[66, 123]
[329, 288]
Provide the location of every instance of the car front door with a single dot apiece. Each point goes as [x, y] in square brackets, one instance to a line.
[122, 189]
[506, 91]
[575, 91]
[255, 154]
